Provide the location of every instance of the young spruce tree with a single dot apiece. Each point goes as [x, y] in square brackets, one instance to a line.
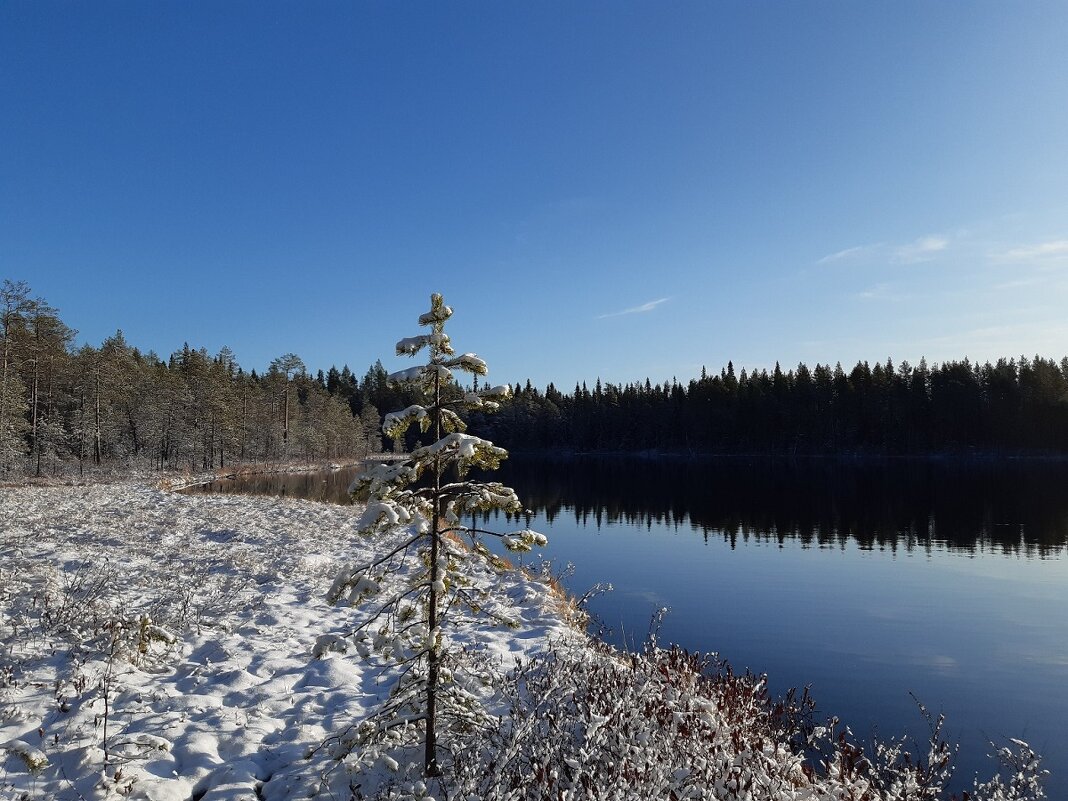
[429, 496]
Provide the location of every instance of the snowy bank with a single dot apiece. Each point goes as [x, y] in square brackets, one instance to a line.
[161, 646]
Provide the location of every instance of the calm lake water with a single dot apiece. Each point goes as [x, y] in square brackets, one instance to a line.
[331, 486]
[865, 580]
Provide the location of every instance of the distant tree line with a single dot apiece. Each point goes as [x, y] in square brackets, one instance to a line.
[1017, 405]
[63, 407]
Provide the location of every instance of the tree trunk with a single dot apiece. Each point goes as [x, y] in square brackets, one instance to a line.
[34, 404]
[430, 759]
[244, 418]
[285, 424]
[81, 430]
[96, 418]
[7, 361]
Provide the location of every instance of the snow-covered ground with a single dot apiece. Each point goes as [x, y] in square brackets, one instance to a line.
[161, 646]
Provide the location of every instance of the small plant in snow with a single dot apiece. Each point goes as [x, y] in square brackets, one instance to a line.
[446, 568]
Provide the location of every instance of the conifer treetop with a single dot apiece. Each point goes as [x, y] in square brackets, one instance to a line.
[387, 489]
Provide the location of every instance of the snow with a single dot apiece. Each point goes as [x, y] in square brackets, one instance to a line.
[405, 376]
[483, 398]
[409, 346]
[499, 391]
[469, 362]
[204, 622]
[465, 445]
[524, 540]
[379, 511]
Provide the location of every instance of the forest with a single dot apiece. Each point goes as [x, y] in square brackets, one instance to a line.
[1016, 406]
[63, 408]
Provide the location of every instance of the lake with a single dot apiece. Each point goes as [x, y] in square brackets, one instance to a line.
[330, 486]
[867, 580]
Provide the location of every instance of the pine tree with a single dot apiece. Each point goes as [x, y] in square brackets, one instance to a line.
[429, 494]
[14, 304]
[288, 366]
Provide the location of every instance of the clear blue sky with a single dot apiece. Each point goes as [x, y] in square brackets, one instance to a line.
[613, 190]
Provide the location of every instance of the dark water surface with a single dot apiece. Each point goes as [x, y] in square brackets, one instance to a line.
[866, 580]
[330, 486]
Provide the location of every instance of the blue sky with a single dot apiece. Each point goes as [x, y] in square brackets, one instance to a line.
[613, 190]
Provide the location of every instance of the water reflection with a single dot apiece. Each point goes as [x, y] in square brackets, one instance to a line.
[1011, 508]
[329, 486]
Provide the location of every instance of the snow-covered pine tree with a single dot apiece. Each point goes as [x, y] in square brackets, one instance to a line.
[429, 495]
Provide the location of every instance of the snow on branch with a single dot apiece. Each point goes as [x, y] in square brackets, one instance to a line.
[486, 399]
[407, 376]
[382, 479]
[442, 342]
[500, 392]
[464, 450]
[395, 424]
[381, 512]
[482, 497]
[438, 313]
[523, 541]
[409, 346]
[398, 509]
[470, 363]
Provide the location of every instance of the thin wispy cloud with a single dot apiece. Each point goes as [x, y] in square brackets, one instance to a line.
[923, 249]
[848, 253]
[1043, 251]
[645, 307]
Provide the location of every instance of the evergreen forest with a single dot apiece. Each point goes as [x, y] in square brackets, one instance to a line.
[63, 408]
[1017, 406]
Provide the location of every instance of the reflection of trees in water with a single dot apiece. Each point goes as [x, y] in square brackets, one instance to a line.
[1014, 508]
[329, 486]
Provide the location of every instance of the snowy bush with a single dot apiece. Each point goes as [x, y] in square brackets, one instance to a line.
[676, 725]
